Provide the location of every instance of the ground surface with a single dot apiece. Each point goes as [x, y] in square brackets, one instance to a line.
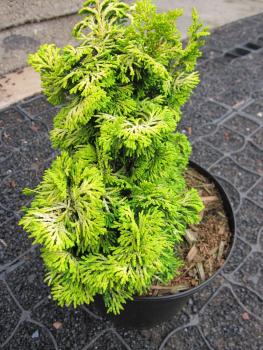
[224, 122]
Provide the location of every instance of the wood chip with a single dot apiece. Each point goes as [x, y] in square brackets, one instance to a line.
[209, 199]
[200, 271]
[192, 273]
[221, 230]
[208, 191]
[179, 288]
[13, 184]
[190, 236]
[3, 242]
[220, 250]
[213, 251]
[171, 289]
[238, 104]
[204, 185]
[155, 293]
[160, 287]
[194, 228]
[202, 213]
[192, 253]
[195, 175]
[209, 265]
[198, 258]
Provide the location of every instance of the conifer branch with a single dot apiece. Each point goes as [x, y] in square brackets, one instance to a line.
[113, 206]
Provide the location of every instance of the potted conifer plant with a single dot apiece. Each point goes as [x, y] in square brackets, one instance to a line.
[114, 204]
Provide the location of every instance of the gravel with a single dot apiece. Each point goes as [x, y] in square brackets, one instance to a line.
[257, 193]
[250, 158]
[224, 327]
[235, 174]
[249, 220]
[241, 124]
[225, 140]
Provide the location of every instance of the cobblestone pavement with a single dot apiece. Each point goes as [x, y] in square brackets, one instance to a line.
[224, 122]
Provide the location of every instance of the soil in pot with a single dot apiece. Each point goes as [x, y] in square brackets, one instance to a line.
[205, 246]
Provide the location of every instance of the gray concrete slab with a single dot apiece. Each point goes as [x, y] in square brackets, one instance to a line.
[14, 13]
[17, 42]
[18, 85]
[213, 13]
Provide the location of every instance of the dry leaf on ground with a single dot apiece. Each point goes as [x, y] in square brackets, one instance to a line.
[57, 325]
[245, 316]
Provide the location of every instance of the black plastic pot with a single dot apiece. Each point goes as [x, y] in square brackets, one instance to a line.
[146, 312]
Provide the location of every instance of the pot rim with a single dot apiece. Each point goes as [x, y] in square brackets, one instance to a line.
[232, 222]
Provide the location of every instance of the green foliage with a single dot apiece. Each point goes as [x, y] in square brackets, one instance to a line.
[112, 208]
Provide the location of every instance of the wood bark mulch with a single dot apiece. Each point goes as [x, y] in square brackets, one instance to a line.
[205, 246]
